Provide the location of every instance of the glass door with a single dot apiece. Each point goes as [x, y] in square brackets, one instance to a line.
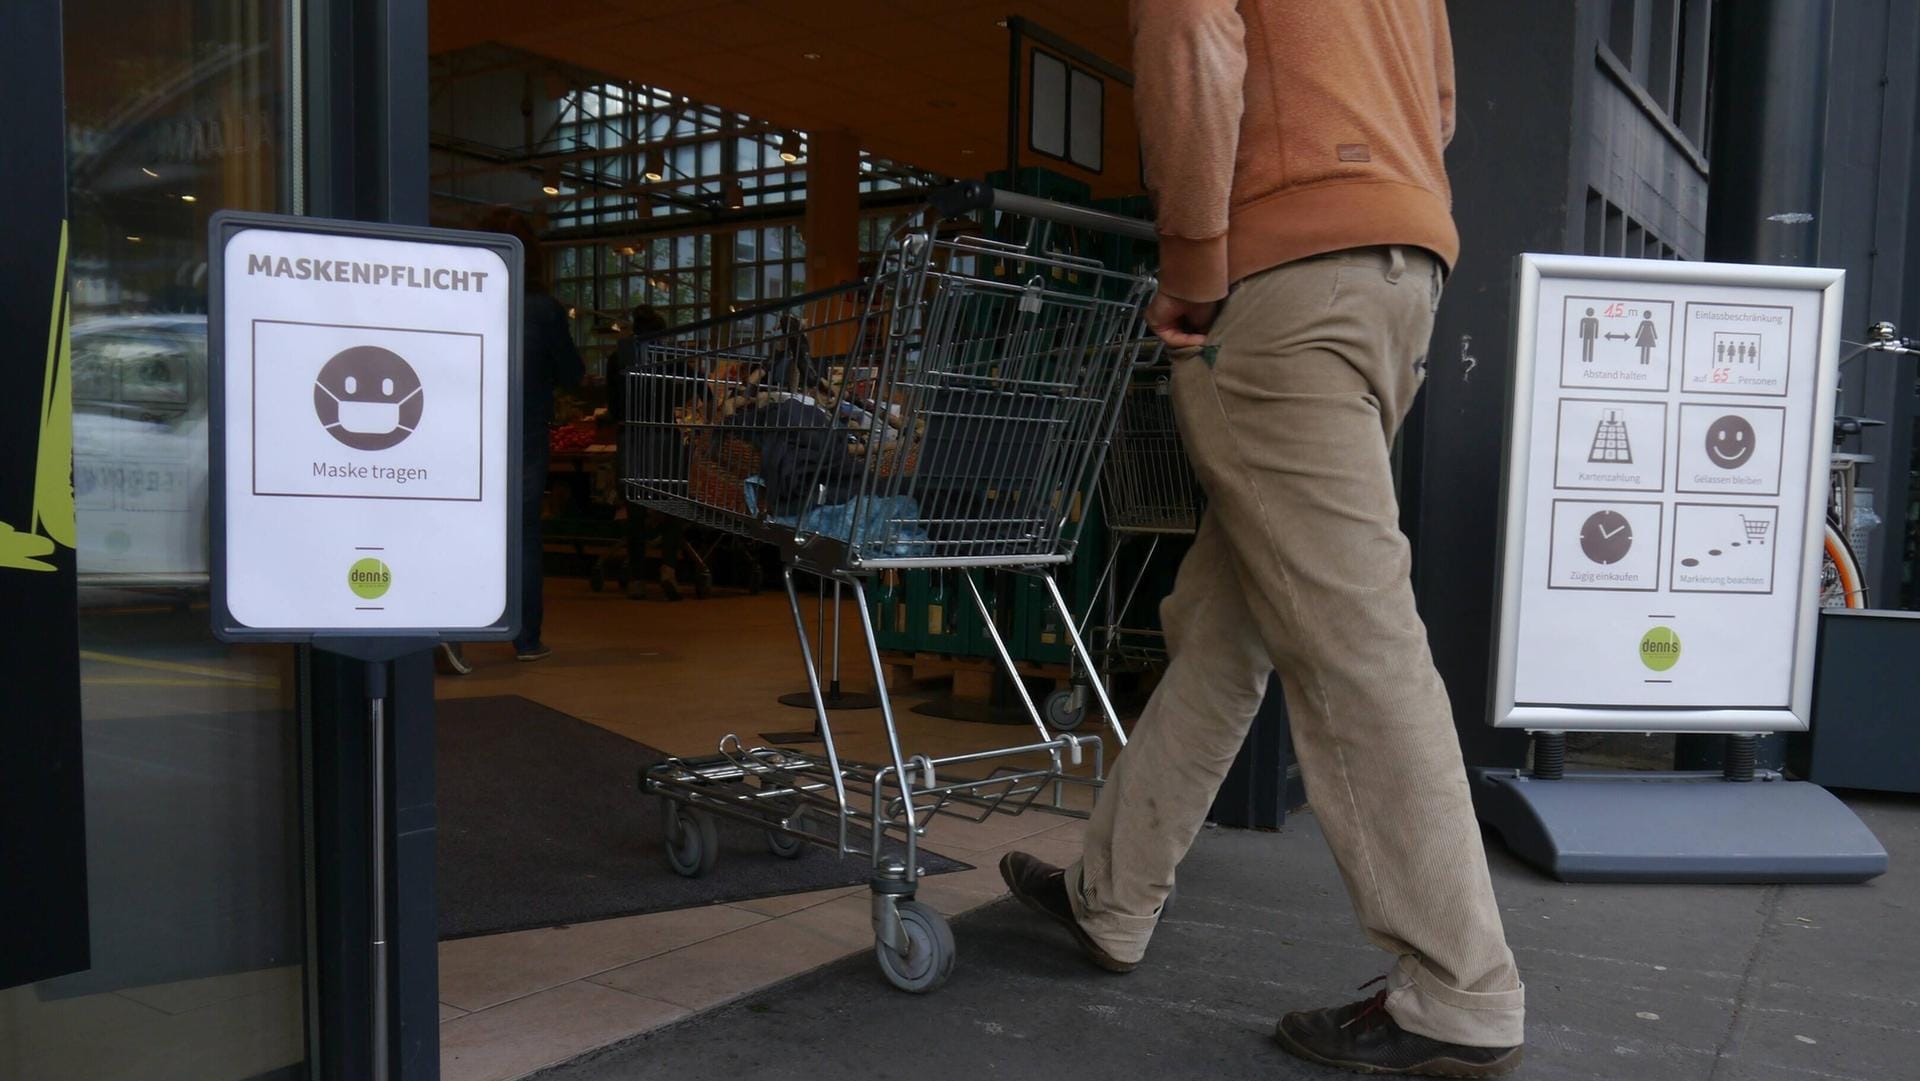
[190, 750]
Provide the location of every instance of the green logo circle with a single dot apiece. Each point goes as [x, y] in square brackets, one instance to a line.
[369, 579]
[1660, 649]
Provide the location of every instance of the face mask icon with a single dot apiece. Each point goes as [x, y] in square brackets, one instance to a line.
[368, 398]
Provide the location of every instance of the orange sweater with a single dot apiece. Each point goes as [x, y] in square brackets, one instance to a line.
[1278, 129]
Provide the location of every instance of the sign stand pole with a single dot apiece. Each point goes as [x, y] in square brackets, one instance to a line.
[377, 861]
[377, 655]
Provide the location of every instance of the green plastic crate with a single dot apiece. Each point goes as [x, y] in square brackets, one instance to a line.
[889, 598]
[940, 609]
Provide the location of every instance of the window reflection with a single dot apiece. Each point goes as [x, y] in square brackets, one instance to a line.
[190, 748]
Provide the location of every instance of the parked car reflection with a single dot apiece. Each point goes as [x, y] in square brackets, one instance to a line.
[140, 451]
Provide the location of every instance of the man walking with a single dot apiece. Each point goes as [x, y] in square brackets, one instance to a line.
[1294, 148]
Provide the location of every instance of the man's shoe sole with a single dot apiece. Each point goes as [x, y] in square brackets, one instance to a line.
[1088, 946]
[1441, 1067]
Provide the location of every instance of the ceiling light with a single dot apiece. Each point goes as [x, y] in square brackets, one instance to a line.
[967, 151]
[809, 56]
[550, 189]
[656, 165]
[1001, 23]
[150, 172]
[736, 197]
[790, 147]
[133, 239]
[552, 180]
[189, 199]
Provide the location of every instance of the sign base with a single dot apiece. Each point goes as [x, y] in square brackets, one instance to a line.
[1677, 827]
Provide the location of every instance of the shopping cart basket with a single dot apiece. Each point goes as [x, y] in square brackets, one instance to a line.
[947, 412]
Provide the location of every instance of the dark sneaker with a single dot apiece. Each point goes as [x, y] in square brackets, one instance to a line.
[1043, 888]
[1363, 1038]
[538, 651]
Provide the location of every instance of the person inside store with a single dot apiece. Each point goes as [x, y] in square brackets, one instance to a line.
[654, 539]
[549, 361]
[1294, 149]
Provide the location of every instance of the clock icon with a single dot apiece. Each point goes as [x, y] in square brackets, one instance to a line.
[1606, 537]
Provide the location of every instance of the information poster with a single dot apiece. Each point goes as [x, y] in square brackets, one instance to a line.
[367, 378]
[1666, 471]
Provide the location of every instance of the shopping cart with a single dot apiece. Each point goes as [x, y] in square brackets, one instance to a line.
[1756, 528]
[946, 413]
[1147, 495]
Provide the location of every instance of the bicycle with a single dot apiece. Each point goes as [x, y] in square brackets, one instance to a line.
[1841, 584]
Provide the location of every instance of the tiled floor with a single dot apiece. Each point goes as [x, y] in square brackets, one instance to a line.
[679, 677]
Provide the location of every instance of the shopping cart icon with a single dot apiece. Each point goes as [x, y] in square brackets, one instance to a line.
[1756, 530]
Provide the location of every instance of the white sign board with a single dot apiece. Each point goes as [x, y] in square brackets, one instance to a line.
[366, 458]
[1665, 495]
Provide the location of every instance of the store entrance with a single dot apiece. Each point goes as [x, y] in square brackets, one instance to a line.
[700, 196]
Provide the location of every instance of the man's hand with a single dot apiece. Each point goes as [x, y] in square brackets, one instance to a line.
[1182, 324]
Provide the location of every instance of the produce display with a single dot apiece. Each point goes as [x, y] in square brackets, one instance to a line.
[572, 437]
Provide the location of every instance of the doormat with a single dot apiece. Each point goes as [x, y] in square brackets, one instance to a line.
[541, 824]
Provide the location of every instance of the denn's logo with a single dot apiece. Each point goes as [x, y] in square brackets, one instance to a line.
[369, 579]
[1660, 649]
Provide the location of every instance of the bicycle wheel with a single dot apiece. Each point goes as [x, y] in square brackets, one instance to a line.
[1840, 584]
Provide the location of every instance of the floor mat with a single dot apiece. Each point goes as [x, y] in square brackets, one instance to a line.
[541, 824]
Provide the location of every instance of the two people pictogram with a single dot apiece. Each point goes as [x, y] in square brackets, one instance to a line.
[1644, 337]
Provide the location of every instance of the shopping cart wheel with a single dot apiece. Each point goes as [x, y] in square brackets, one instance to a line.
[1062, 714]
[693, 845]
[785, 845]
[930, 951]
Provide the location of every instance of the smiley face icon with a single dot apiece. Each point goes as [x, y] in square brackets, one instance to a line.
[1730, 441]
[368, 398]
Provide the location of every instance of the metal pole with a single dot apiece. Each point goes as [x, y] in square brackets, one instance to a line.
[1016, 27]
[820, 626]
[1086, 657]
[377, 863]
[834, 683]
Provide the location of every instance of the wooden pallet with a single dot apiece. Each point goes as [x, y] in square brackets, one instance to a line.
[971, 678]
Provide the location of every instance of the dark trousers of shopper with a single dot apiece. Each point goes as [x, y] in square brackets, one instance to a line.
[533, 491]
[653, 542]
